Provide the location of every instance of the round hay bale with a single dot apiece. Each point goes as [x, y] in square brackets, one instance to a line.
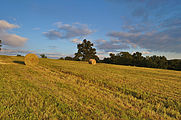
[31, 59]
[92, 61]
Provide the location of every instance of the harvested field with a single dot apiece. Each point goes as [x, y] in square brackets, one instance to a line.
[60, 89]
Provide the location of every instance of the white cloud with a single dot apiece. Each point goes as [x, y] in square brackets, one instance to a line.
[10, 39]
[168, 40]
[123, 34]
[77, 41]
[4, 25]
[111, 46]
[53, 34]
[67, 31]
[100, 41]
[146, 52]
[14, 52]
[53, 55]
[5, 51]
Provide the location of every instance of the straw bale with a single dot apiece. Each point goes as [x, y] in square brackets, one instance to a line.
[31, 59]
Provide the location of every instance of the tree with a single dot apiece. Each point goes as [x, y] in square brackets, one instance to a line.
[138, 59]
[85, 51]
[68, 58]
[0, 44]
[113, 58]
[43, 56]
[163, 63]
[106, 60]
[18, 55]
[125, 58]
[61, 58]
[174, 64]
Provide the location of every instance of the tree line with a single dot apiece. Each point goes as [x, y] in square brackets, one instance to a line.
[86, 52]
[136, 59]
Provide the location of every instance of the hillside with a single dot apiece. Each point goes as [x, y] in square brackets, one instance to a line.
[59, 89]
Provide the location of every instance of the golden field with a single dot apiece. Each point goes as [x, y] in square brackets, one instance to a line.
[60, 89]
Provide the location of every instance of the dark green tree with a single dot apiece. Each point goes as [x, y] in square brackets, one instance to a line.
[43, 56]
[68, 58]
[61, 58]
[138, 59]
[163, 63]
[107, 60]
[86, 51]
[125, 58]
[113, 58]
[174, 64]
[18, 55]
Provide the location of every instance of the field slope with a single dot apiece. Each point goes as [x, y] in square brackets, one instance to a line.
[58, 89]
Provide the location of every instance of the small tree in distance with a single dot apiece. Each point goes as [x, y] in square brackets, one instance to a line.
[43, 56]
[18, 55]
[61, 58]
[85, 51]
[68, 58]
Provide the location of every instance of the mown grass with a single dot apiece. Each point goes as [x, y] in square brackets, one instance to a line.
[58, 89]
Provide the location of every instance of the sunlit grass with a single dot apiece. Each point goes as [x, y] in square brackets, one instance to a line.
[58, 89]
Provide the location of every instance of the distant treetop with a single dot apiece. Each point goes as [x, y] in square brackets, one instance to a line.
[85, 51]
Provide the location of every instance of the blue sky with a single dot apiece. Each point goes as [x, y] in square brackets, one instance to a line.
[54, 27]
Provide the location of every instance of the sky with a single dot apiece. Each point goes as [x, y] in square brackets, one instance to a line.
[55, 27]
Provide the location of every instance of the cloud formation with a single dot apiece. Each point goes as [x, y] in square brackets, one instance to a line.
[110, 46]
[77, 41]
[10, 39]
[14, 52]
[164, 39]
[6, 51]
[53, 34]
[151, 24]
[67, 31]
[6, 26]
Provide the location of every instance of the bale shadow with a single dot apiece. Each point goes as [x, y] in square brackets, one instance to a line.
[19, 62]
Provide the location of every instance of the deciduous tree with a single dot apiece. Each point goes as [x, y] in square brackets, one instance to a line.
[86, 51]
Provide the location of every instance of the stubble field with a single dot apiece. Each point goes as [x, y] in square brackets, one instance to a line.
[59, 89]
